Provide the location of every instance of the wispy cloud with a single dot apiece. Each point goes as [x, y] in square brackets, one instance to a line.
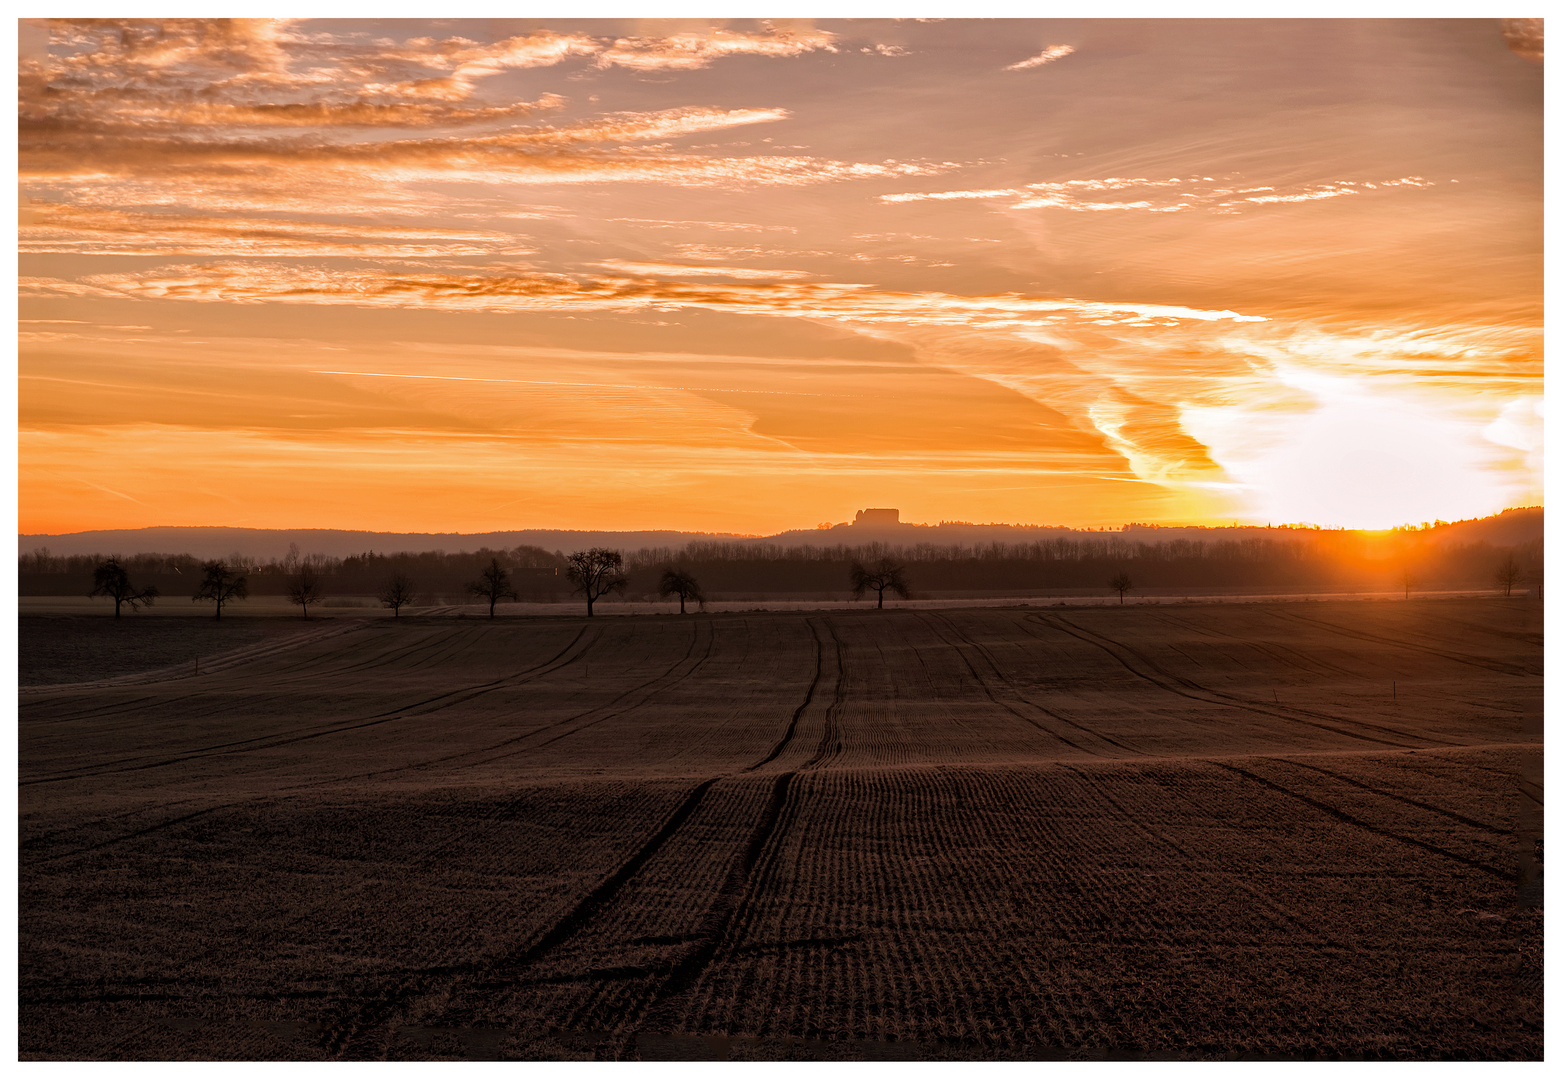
[1046, 56]
[96, 231]
[252, 116]
[676, 270]
[1192, 193]
[684, 51]
[685, 224]
[248, 284]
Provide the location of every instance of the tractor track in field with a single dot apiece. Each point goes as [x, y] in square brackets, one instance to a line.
[431, 852]
[998, 671]
[1367, 826]
[447, 638]
[215, 663]
[668, 679]
[266, 742]
[791, 728]
[430, 762]
[1144, 668]
[377, 1023]
[1282, 653]
[1488, 664]
[1188, 857]
[1406, 799]
[155, 702]
[660, 1008]
[135, 835]
[1528, 637]
[830, 739]
[373, 1013]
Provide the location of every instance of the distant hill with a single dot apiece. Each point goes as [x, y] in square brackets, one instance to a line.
[216, 543]
[1511, 527]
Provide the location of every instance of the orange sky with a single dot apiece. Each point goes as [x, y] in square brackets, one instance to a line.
[749, 276]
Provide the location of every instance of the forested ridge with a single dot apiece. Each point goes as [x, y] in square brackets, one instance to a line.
[1436, 555]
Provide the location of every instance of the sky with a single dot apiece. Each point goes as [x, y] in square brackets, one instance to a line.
[747, 276]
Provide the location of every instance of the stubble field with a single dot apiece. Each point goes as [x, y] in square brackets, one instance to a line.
[1192, 831]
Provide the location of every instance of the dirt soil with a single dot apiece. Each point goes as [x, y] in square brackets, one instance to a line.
[1252, 831]
[80, 648]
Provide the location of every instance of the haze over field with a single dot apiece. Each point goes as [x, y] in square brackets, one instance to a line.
[465, 276]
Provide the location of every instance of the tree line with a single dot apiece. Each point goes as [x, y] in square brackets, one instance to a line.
[1311, 559]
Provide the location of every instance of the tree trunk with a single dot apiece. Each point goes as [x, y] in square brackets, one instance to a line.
[680, 604]
[589, 599]
[881, 599]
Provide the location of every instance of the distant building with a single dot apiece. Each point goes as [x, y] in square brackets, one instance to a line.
[877, 516]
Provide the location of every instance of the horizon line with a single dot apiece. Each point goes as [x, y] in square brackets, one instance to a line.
[855, 526]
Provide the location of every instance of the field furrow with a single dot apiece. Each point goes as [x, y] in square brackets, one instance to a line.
[990, 834]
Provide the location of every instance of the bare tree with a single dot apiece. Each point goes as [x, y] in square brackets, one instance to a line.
[594, 572]
[1121, 583]
[493, 585]
[1407, 578]
[1508, 574]
[396, 592]
[304, 588]
[221, 584]
[882, 575]
[681, 582]
[110, 578]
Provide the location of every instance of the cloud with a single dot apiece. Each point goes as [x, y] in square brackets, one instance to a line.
[923, 196]
[234, 57]
[149, 146]
[684, 51]
[721, 252]
[1046, 56]
[129, 113]
[660, 269]
[1194, 193]
[86, 230]
[233, 283]
[1527, 37]
[237, 56]
[722, 226]
[254, 115]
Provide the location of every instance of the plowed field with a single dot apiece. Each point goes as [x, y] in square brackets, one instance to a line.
[1191, 831]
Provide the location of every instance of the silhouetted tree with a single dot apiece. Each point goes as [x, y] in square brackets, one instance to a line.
[1121, 583]
[109, 578]
[304, 588]
[884, 574]
[396, 592]
[493, 585]
[594, 572]
[221, 584]
[682, 583]
[1407, 578]
[1508, 574]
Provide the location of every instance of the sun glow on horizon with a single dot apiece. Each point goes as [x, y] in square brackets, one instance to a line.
[605, 274]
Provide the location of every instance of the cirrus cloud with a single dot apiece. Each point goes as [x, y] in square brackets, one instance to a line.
[251, 284]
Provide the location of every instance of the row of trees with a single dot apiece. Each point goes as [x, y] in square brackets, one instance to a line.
[1276, 559]
[593, 573]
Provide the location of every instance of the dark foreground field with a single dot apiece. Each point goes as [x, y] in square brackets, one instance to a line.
[1196, 831]
[81, 648]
